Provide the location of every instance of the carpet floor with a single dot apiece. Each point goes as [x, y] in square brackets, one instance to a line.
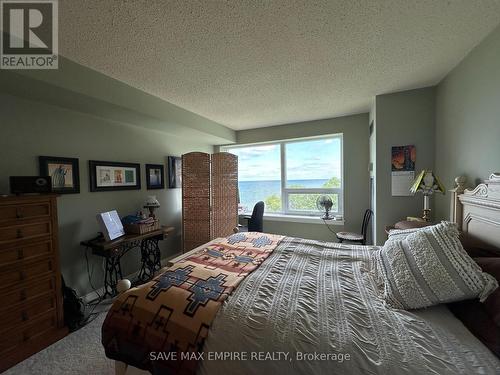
[79, 353]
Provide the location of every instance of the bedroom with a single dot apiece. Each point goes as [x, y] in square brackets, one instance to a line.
[313, 97]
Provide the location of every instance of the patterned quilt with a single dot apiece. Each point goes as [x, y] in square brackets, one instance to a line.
[162, 325]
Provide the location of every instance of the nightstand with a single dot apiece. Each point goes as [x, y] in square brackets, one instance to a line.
[408, 224]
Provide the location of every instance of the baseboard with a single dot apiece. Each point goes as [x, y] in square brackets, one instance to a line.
[94, 295]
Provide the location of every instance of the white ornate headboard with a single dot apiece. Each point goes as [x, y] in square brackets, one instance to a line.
[477, 212]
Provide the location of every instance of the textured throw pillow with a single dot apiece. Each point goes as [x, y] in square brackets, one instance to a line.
[428, 267]
[399, 234]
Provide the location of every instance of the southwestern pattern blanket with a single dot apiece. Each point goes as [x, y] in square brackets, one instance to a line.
[173, 312]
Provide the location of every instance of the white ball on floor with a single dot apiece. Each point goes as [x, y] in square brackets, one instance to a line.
[123, 285]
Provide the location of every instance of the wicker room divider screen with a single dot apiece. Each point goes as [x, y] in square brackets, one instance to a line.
[209, 197]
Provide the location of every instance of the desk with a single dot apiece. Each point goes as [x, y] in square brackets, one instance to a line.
[114, 250]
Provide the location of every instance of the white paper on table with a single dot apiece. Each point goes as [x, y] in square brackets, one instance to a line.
[401, 183]
[111, 225]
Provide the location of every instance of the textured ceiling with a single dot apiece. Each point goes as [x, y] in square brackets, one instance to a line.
[248, 64]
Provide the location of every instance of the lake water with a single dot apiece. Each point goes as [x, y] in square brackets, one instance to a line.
[253, 191]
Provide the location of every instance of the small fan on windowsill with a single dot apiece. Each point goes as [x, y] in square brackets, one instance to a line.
[324, 204]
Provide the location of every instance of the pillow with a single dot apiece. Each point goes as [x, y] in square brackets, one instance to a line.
[483, 319]
[492, 303]
[399, 234]
[474, 316]
[477, 252]
[428, 267]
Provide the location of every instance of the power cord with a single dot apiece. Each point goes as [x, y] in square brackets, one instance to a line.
[90, 306]
[328, 226]
[90, 274]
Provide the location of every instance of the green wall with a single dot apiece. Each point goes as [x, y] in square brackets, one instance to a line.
[30, 129]
[402, 118]
[82, 89]
[468, 119]
[356, 175]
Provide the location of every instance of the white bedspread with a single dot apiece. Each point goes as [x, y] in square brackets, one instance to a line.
[315, 297]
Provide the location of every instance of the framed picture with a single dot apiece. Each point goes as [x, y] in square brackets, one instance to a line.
[403, 169]
[174, 172]
[112, 176]
[155, 176]
[64, 172]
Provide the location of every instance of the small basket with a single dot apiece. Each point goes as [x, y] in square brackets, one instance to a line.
[141, 228]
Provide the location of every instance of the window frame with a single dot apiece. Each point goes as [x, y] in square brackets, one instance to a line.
[286, 191]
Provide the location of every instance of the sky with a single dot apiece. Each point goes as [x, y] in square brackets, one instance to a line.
[305, 160]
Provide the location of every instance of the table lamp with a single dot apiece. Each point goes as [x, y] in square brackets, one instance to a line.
[427, 183]
[151, 204]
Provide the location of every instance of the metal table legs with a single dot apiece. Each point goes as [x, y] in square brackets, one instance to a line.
[150, 264]
[150, 256]
[112, 274]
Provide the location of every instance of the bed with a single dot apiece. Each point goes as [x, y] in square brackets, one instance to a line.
[314, 307]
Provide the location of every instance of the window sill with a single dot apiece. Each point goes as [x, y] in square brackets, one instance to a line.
[298, 219]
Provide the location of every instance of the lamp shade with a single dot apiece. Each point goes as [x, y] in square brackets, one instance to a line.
[151, 201]
[427, 183]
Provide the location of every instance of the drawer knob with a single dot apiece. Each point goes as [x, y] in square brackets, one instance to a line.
[23, 295]
[24, 316]
[19, 233]
[20, 254]
[19, 214]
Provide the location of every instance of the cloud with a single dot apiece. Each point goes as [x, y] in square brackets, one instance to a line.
[305, 161]
[246, 152]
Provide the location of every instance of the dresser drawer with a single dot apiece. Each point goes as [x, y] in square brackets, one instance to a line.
[26, 312]
[10, 277]
[20, 253]
[37, 328]
[24, 232]
[26, 292]
[17, 212]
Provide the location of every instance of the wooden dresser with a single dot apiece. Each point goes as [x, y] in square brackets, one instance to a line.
[31, 313]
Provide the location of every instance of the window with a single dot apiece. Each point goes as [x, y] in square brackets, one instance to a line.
[289, 176]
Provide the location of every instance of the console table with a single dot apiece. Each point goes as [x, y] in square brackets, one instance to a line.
[114, 250]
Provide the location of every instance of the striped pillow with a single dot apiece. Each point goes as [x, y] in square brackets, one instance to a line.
[428, 267]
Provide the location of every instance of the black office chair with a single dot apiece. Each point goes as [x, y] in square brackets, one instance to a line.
[357, 237]
[255, 222]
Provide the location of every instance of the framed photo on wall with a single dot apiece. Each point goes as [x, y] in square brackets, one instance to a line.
[174, 172]
[155, 176]
[112, 176]
[403, 170]
[64, 173]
